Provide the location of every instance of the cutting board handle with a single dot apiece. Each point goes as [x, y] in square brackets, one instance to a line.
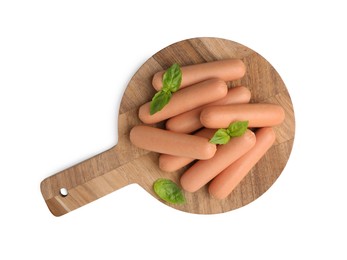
[84, 182]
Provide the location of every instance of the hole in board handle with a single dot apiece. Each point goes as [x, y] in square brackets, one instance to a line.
[63, 192]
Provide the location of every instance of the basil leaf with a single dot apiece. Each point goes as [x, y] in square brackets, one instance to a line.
[169, 191]
[221, 136]
[160, 99]
[237, 128]
[172, 78]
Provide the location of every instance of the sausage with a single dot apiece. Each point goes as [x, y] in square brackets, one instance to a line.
[185, 100]
[227, 70]
[190, 121]
[205, 170]
[164, 141]
[222, 185]
[171, 163]
[258, 115]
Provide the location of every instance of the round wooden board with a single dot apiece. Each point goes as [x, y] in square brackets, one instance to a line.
[125, 164]
[265, 85]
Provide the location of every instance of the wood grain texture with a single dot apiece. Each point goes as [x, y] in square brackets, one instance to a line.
[125, 164]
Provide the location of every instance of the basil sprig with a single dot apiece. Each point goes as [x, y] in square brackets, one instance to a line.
[169, 191]
[235, 129]
[172, 79]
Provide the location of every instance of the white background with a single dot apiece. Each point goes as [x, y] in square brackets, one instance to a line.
[63, 68]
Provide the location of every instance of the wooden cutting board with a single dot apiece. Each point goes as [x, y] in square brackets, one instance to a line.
[125, 164]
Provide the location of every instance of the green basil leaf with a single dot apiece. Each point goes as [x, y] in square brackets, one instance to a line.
[172, 78]
[221, 136]
[169, 191]
[237, 128]
[160, 99]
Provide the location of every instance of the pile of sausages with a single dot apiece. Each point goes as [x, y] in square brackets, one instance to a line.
[203, 104]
